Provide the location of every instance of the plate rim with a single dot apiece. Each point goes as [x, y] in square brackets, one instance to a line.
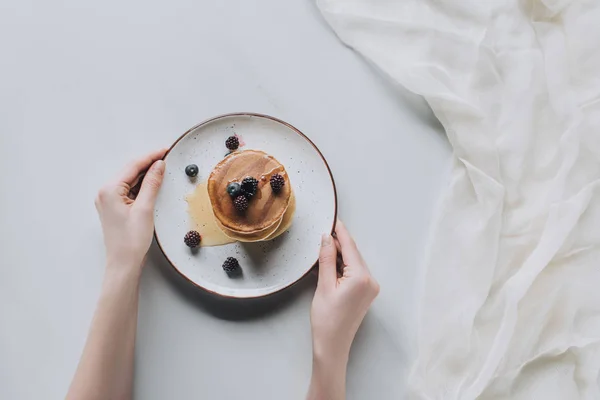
[298, 132]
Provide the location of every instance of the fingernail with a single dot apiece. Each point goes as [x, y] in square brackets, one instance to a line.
[159, 167]
[326, 239]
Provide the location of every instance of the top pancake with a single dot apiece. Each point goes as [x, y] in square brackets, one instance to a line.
[266, 207]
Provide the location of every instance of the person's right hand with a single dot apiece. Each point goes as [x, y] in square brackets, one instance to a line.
[340, 302]
[338, 308]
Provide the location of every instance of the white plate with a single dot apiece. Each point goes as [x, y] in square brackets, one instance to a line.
[267, 267]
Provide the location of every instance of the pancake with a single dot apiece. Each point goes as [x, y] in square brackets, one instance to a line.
[286, 221]
[267, 234]
[249, 237]
[266, 209]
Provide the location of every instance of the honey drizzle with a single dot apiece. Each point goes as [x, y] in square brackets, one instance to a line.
[203, 219]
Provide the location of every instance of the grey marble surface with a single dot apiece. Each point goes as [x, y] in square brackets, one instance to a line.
[85, 86]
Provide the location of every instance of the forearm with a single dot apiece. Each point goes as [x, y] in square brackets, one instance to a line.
[328, 381]
[105, 370]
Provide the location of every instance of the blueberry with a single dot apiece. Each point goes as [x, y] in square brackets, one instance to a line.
[234, 189]
[191, 170]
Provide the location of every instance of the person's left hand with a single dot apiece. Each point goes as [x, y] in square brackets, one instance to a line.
[127, 220]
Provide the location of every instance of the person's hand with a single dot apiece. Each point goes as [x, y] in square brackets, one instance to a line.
[127, 220]
[338, 308]
[340, 302]
[126, 209]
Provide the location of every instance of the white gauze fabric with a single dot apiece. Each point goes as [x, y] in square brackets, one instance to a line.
[511, 301]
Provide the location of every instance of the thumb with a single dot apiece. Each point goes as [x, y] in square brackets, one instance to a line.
[151, 184]
[327, 261]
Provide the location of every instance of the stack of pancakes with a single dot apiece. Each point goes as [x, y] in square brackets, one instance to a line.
[269, 214]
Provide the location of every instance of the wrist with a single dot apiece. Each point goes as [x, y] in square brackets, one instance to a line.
[331, 350]
[328, 380]
[330, 358]
[117, 273]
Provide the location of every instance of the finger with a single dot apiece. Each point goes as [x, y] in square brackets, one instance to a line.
[136, 186]
[150, 185]
[133, 170]
[327, 261]
[338, 246]
[339, 260]
[350, 252]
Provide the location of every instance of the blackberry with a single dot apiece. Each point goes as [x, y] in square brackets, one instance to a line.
[277, 182]
[241, 203]
[249, 186]
[232, 143]
[231, 264]
[234, 189]
[192, 239]
[191, 170]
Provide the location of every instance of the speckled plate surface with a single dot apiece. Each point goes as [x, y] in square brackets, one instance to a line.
[267, 267]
